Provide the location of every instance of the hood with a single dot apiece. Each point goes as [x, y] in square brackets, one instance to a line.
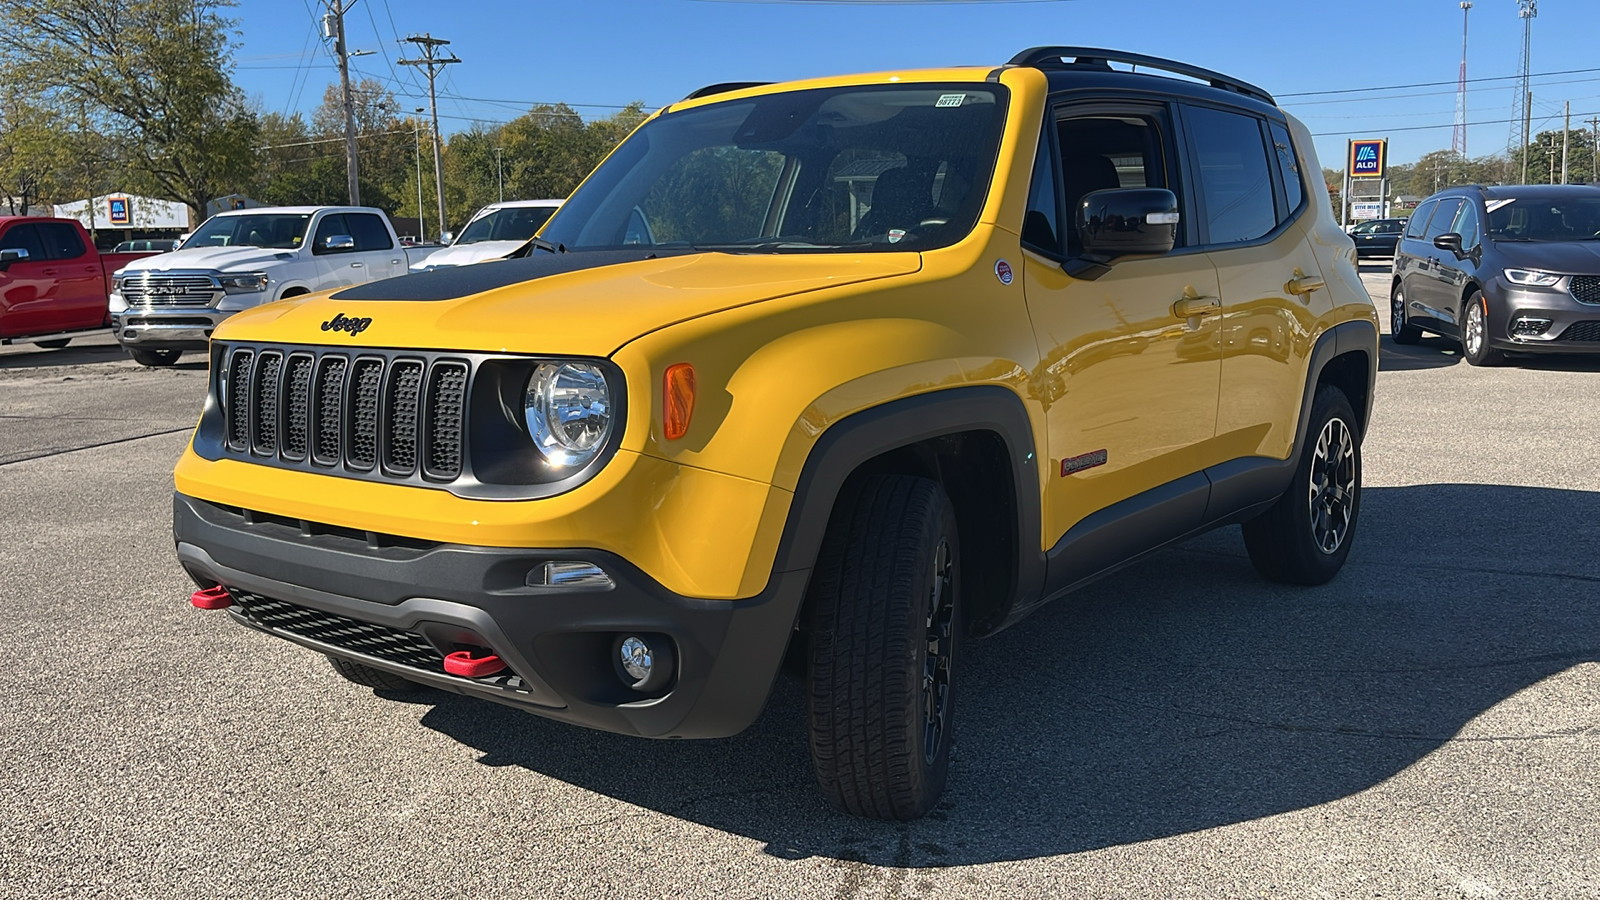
[586, 303]
[1563, 257]
[467, 254]
[221, 259]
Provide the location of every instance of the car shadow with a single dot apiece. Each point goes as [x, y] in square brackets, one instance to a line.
[1430, 352]
[34, 357]
[1179, 695]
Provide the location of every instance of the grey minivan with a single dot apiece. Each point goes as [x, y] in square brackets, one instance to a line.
[1514, 268]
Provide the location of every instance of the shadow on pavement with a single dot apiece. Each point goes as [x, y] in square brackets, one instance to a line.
[1430, 353]
[32, 357]
[1180, 695]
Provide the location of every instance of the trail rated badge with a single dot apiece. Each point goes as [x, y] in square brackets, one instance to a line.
[1002, 271]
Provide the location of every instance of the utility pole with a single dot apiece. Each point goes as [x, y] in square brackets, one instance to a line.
[333, 27]
[500, 173]
[416, 132]
[429, 46]
[1566, 136]
[1458, 141]
[1594, 147]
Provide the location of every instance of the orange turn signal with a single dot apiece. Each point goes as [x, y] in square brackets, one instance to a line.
[677, 397]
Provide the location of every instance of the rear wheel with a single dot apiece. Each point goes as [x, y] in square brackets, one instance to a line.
[1475, 333]
[155, 359]
[1401, 331]
[367, 676]
[884, 624]
[56, 344]
[1305, 536]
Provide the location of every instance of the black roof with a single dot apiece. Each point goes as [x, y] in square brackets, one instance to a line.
[1517, 191]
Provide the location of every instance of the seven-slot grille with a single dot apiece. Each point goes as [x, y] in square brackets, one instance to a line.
[158, 290]
[396, 416]
[1585, 288]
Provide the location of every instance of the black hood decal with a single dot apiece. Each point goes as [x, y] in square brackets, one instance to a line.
[455, 282]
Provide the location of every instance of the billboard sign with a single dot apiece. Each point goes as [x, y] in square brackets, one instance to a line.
[117, 210]
[1366, 209]
[1368, 158]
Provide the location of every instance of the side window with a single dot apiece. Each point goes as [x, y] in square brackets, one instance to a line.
[24, 237]
[1443, 218]
[1293, 187]
[60, 240]
[327, 228]
[1235, 180]
[1105, 152]
[1419, 218]
[1466, 225]
[368, 231]
[1041, 226]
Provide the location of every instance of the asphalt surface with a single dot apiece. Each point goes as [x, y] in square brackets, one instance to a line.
[1427, 725]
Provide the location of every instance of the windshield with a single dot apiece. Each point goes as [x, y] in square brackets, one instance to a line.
[1545, 219]
[515, 223]
[892, 167]
[279, 231]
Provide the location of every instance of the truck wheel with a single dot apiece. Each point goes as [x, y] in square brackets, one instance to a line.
[155, 358]
[56, 344]
[1305, 536]
[367, 676]
[885, 617]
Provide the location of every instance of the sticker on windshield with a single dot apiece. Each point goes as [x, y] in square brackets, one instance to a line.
[1493, 205]
[950, 100]
[896, 235]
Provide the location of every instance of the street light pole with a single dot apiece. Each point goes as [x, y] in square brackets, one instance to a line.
[499, 174]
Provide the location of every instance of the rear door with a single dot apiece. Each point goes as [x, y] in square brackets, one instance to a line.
[375, 246]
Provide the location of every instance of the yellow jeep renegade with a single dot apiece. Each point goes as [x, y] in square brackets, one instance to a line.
[841, 372]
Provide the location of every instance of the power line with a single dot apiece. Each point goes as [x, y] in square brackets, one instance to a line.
[1424, 127]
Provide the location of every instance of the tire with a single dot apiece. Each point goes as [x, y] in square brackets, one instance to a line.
[1305, 536]
[884, 622]
[1401, 331]
[367, 676]
[56, 344]
[155, 359]
[1475, 347]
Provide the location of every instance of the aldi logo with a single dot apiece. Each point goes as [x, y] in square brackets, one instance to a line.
[118, 211]
[1367, 158]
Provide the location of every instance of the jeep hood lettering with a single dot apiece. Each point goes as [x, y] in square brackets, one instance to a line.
[588, 303]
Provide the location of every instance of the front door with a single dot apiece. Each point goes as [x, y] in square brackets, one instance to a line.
[59, 287]
[1130, 360]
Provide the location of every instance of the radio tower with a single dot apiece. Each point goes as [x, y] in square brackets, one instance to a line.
[1527, 10]
[1458, 140]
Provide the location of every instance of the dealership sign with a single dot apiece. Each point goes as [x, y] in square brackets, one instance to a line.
[1367, 158]
[1363, 209]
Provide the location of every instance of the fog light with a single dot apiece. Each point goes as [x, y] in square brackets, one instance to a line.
[644, 661]
[636, 658]
[1527, 326]
[568, 574]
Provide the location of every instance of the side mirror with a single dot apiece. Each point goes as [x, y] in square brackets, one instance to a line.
[1451, 242]
[11, 255]
[447, 237]
[338, 243]
[1127, 222]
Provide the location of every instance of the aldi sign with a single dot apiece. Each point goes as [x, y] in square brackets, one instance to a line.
[117, 210]
[1367, 158]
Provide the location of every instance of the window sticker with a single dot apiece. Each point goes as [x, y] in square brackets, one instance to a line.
[1493, 205]
[946, 100]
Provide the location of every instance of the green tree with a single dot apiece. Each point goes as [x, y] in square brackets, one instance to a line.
[152, 75]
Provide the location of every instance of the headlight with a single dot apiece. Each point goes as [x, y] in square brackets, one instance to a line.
[244, 284]
[568, 410]
[1531, 277]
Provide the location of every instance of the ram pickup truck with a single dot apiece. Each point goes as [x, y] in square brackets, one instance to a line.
[166, 304]
[53, 284]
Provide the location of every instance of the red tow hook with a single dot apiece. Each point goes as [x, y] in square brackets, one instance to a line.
[211, 598]
[463, 664]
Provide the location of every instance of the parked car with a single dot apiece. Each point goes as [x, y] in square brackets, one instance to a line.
[842, 372]
[1377, 237]
[159, 246]
[491, 233]
[54, 285]
[164, 305]
[1500, 269]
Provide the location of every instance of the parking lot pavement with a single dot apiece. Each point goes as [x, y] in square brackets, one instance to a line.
[1427, 725]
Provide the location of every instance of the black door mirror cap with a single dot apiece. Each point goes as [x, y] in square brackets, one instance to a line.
[1451, 242]
[1120, 223]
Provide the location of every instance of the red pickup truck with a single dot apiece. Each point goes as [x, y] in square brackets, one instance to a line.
[54, 285]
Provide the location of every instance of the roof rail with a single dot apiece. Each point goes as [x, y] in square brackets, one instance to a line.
[724, 87]
[1051, 57]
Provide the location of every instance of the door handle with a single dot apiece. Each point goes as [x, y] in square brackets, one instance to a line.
[355, 265]
[1193, 305]
[1302, 284]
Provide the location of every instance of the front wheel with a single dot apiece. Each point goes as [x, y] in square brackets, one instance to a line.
[1305, 536]
[155, 359]
[884, 623]
[1475, 333]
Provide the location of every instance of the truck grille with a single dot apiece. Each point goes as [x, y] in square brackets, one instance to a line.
[393, 415]
[1585, 288]
[164, 290]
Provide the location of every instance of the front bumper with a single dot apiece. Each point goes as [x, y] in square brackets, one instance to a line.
[167, 329]
[1553, 319]
[398, 604]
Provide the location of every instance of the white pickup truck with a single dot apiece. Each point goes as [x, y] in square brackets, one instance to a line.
[164, 305]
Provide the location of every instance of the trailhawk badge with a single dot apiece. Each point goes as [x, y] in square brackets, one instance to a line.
[340, 322]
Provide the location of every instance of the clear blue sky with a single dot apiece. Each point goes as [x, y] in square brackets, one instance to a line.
[600, 54]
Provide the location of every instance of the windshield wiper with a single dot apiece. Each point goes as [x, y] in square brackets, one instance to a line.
[778, 244]
[536, 243]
